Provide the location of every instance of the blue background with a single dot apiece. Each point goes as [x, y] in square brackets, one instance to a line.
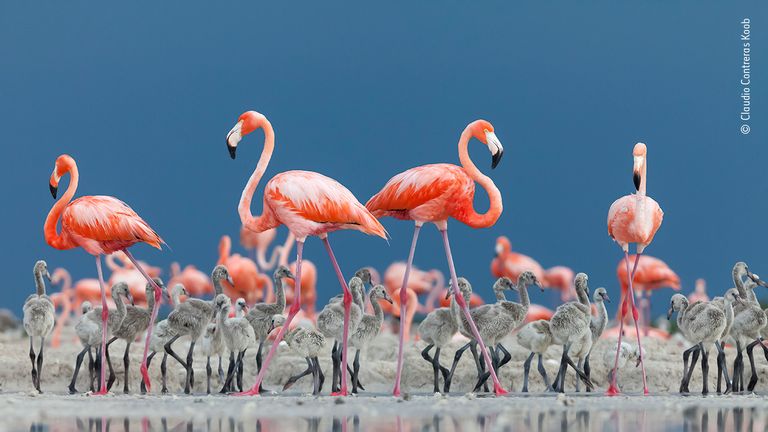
[143, 95]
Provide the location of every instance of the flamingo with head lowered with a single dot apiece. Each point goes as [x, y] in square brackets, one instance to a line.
[434, 193]
[309, 204]
[100, 225]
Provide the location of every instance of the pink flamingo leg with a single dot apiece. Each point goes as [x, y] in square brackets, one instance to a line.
[295, 307]
[634, 317]
[497, 387]
[153, 317]
[347, 306]
[403, 301]
[613, 389]
[104, 316]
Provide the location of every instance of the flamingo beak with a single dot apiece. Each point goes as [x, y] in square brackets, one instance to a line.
[637, 171]
[230, 281]
[54, 190]
[130, 298]
[448, 293]
[290, 275]
[494, 145]
[605, 297]
[755, 278]
[233, 138]
[48, 276]
[388, 298]
[669, 313]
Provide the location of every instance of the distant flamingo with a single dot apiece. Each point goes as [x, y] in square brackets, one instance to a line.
[635, 219]
[309, 204]
[699, 293]
[652, 274]
[195, 282]
[434, 193]
[419, 282]
[259, 243]
[100, 225]
[513, 264]
[128, 273]
[249, 283]
[538, 312]
[308, 279]
[88, 289]
[561, 278]
[61, 299]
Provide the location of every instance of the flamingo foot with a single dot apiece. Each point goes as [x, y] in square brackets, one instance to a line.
[499, 390]
[645, 391]
[145, 377]
[342, 392]
[396, 390]
[99, 393]
[247, 393]
[614, 391]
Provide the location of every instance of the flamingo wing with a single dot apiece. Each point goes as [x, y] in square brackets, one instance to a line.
[107, 219]
[413, 188]
[320, 199]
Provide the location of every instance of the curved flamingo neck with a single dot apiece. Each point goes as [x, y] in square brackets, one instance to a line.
[378, 312]
[643, 177]
[285, 249]
[53, 238]
[471, 217]
[257, 223]
[280, 293]
[225, 246]
[261, 257]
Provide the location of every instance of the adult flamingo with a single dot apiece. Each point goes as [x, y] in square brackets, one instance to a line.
[61, 299]
[249, 283]
[128, 274]
[652, 274]
[561, 278]
[309, 204]
[89, 289]
[195, 282]
[434, 193]
[635, 219]
[511, 264]
[699, 293]
[100, 225]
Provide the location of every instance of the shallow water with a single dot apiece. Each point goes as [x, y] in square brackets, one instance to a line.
[382, 413]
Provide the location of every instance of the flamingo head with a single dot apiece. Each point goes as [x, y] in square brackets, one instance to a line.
[64, 164]
[283, 272]
[581, 283]
[222, 303]
[527, 278]
[601, 295]
[638, 170]
[248, 122]
[504, 283]
[277, 321]
[503, 246]
[677, 303]
[379, 291]
[364, 274]
[241, 305]
[41, 270]
[482, 130]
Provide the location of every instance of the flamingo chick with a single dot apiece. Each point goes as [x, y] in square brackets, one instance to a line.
[39, 318]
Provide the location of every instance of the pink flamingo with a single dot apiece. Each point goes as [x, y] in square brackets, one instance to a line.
[130, 275]
[434, 193]
[635, 219]
[309, 204]
[538, 312]
[90, 290]
[195, 282]
[249, 283]
[64, 299]
[699, 293]
[100, 225]
[259, 243]
[652, 274]
[561, 278]
[513, 264]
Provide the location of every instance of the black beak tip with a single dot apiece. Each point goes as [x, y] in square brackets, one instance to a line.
[54, 190]
[496, 159]
[232, 151]
[636, 180]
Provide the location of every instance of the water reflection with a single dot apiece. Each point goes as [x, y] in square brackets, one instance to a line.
[698, 418]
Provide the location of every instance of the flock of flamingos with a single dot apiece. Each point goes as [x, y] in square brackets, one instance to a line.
[311, 204]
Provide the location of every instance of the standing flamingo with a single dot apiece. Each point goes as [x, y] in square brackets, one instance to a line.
[434, 193]
[249, 283]
[307, 203]
[652, 274]
[513, 264]
[699, 293]
[635, 219]
[195, 282]
[100, 225]
[561, 278]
